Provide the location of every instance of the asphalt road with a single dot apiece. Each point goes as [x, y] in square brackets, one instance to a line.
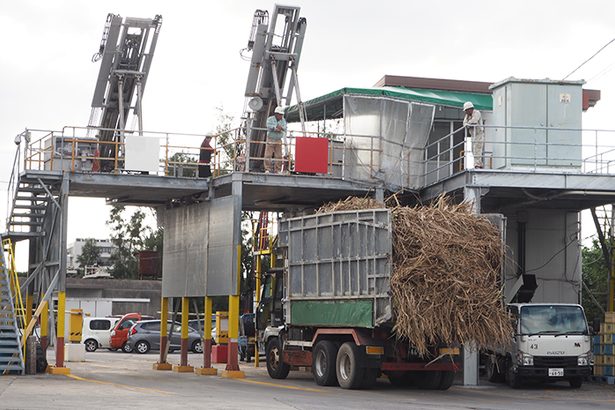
[119, 380]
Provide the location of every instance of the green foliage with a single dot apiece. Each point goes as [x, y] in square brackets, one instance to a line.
[225, 139]
[182, 165]
[130, 236]
[595, 274]
[90, 254]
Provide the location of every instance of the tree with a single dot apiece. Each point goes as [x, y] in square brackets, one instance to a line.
[595, 276]
[226, 145]
[90, 254]
[182, 165]
[130, 236]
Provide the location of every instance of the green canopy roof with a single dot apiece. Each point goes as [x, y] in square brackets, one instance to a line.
[330, 105]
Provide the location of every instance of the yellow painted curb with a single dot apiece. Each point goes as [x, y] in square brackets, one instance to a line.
[206, 371]
[58, 370]
[233, 374]
[162, 366]
[182, 369]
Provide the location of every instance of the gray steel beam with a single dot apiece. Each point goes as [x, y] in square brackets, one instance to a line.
[470, 352]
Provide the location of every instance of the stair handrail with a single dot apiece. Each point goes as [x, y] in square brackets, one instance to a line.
[14, 281]
[15, 172]
[20, 355]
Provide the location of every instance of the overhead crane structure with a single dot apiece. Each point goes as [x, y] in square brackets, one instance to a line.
[276, 46]
[126, 52]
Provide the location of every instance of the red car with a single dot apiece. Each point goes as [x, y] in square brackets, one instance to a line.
[119, 334]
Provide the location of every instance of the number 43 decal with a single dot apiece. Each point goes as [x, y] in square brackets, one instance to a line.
[534, 346]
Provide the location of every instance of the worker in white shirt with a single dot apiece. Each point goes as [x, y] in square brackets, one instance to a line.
[276, 136]
[474, 121]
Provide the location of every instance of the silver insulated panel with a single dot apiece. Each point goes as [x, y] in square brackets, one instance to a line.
[199, 256]
[340, 255]
[184, 261]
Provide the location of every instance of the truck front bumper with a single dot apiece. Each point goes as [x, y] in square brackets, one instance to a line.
[543, 372]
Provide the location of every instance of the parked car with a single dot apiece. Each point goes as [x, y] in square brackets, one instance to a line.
[145, 336]
[119, 335]
[199, 325]
[96, 332]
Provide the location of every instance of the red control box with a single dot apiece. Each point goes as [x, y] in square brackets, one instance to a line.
[311, 155]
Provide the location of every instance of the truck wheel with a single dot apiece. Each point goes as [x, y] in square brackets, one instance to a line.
[494, 370]
[576, 382]
[349, 367]
[428, 380]
[446, 380]
[126, 348]
[276, 367]
[324, 357]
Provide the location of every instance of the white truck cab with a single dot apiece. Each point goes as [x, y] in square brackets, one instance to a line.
[551, 342]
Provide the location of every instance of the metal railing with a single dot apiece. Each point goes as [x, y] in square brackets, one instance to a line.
[366, 158]
[531, 149]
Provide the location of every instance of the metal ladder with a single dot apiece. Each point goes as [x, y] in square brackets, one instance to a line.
[11, 355]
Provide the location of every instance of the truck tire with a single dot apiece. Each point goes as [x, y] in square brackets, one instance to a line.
[446, 380]
[349, 367]
[428, 380]
[324, 358]
[576, 382]
[276, 367]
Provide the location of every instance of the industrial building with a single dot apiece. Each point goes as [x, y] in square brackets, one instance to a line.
[75, 249]
[404, 135]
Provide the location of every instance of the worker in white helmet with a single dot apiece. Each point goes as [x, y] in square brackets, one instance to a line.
[276, 134]
[474, 121]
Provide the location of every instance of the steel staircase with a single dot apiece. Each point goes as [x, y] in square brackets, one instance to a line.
[11, 355]
[31, 203]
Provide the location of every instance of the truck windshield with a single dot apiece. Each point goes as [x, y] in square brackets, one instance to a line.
[552, 320]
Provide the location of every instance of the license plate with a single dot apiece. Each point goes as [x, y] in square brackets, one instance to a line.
[556, 372]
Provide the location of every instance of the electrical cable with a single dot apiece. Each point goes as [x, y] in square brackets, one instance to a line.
[589, 59]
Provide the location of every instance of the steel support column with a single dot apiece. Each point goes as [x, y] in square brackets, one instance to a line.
[162, 363]
[232, 363]
[207, 370]
[44, 327]
[60, 240]
[470, 352]
[183, 361]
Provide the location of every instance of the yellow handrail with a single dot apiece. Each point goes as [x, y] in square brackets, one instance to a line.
[18, 305]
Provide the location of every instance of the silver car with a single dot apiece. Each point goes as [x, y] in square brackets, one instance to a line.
[145, 336]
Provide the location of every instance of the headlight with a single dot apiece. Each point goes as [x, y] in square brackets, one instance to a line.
[584, 360]
[524, 359]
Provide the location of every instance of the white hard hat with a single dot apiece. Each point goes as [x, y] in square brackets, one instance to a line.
[279, 110]
[467, 105]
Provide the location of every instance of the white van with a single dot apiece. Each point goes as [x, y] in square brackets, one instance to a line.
[97, 331]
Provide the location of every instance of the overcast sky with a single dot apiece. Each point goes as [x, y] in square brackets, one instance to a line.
[47, 79]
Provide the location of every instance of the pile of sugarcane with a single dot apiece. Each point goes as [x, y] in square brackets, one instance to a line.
[445, 279]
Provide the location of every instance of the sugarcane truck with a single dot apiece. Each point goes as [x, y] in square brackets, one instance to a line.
[327, 305]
